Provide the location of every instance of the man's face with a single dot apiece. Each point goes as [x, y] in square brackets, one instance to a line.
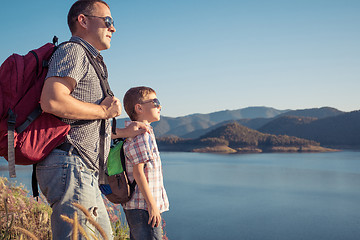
[99, 35]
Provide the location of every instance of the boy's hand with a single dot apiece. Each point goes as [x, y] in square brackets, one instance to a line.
[154, 217]
[154, 212]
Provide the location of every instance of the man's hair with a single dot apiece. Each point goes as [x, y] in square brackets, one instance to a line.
[85, 7]
[134, 96]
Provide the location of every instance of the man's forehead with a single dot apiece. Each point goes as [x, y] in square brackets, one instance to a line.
[101, 8]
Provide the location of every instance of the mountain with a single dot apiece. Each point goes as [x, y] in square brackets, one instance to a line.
[233, 137]
[180, 126]
[250, 123]
[342, 130]
[195, 125]
[257, 123]
[323, 112]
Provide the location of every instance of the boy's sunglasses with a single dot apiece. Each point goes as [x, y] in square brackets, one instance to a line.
[155, 101]
[108, 20]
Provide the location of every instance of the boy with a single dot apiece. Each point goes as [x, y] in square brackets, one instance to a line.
[143, 211]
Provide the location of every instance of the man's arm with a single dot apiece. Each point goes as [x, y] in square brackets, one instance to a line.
[56, 99]
[154, 212]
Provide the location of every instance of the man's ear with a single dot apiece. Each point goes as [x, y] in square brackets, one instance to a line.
[82, 20]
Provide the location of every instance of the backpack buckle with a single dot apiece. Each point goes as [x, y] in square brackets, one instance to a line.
[12, 118]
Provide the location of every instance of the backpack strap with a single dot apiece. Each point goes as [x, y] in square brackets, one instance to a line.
[108, 93]
[122, 158]
[11, 143]
[34, 183]
[32, 116]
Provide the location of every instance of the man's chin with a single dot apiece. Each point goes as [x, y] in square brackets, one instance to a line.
[105, 46]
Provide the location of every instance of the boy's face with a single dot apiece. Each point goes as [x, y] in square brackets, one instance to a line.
[149, 111]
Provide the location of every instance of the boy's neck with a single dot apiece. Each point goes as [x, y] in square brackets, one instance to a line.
[143, 121]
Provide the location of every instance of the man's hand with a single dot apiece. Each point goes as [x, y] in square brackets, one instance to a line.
[134, 129]
[111, 106]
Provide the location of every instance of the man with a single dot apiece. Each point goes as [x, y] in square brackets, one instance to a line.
[72, 91]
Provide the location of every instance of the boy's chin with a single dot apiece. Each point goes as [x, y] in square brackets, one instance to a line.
[155, 120]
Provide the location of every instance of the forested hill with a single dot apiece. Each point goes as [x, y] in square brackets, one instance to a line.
[234, 137]
[339, 131]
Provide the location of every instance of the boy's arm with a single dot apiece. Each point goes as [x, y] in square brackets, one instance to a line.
[154, 213]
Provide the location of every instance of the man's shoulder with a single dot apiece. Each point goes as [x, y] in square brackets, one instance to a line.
[71, 47]
[69, 52]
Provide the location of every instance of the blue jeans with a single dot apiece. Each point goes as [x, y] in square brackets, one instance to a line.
[139, 227]
[63, 179]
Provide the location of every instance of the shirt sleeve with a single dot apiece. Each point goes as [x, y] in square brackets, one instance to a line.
[69, 60]
[139, 149]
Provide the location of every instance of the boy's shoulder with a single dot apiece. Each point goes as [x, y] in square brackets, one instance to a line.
[146, 138]
[139, 139]
[141, 149]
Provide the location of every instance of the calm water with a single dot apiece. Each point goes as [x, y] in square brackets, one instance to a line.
[259, 196]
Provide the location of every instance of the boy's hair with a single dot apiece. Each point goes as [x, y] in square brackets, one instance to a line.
[85, 7]
[134, 96]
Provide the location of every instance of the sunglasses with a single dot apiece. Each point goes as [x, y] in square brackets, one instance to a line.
[108, 20]
[155, 101]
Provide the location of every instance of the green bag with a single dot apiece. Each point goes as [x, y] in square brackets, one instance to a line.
[118, 187]
[114, 165]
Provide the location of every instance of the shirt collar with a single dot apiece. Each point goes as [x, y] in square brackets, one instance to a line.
[87, 45]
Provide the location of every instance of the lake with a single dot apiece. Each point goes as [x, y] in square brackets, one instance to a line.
[258, 196]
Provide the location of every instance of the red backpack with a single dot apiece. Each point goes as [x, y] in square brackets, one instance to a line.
[27, 135]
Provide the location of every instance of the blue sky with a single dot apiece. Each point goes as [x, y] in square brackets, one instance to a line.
[203, 56]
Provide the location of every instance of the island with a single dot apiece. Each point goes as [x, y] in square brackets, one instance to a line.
[236, 138]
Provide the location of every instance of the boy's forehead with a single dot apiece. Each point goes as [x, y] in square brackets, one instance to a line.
[149, 96]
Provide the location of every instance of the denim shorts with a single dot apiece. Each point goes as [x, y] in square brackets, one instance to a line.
[63, 179]
[139, 228]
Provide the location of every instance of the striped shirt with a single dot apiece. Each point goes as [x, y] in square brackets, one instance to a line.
[70, 60]
[143, 149]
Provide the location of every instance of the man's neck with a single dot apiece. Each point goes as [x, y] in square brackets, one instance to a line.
[86, 39]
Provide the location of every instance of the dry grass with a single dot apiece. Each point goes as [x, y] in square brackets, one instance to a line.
[21, 217]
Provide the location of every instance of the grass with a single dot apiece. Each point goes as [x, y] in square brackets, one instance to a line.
[21, 217]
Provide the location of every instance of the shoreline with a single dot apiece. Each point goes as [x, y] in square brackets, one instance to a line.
[223, 149]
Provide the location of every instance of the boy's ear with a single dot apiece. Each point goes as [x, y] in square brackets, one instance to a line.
[138, 108]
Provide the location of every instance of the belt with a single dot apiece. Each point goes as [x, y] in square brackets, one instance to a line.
[66, 147]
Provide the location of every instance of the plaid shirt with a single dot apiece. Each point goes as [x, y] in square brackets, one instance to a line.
[143, 149]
